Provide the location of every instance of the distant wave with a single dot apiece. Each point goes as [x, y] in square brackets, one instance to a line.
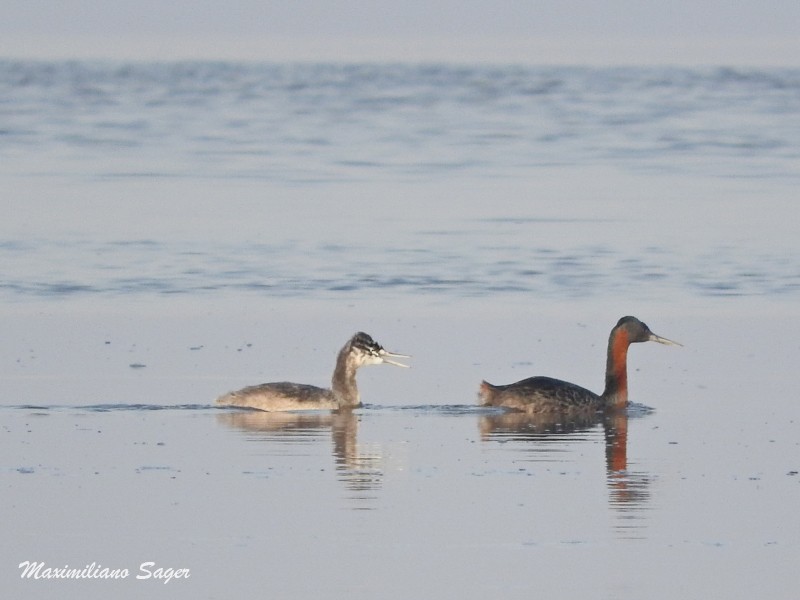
[307, 125]
[339, 122]
[481, 268]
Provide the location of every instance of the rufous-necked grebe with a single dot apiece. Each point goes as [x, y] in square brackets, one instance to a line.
[360, 350]
[547, 395]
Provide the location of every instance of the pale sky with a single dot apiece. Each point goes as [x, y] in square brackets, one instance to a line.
[701, 32]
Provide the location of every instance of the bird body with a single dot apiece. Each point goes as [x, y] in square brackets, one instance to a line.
[281, 396]
[541, 395]
[545, 395]
[360, 350]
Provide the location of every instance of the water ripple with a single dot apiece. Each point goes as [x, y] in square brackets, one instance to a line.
[322, 123]
[340, 122]
[45, 270]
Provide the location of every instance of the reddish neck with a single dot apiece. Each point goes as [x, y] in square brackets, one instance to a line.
[616, 392]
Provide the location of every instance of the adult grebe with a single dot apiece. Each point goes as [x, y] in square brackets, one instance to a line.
[360, 350]
[547, 395]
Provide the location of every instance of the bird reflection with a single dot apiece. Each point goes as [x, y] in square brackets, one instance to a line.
[522, 426]
[359, 469]
[629, 491]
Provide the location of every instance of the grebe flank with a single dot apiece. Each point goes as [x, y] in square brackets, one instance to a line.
[547, 395]
[360, 350]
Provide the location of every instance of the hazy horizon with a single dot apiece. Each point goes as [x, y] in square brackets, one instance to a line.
[618, 32]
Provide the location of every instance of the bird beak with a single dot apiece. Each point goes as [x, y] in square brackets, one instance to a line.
[385, 353]
[656, 338]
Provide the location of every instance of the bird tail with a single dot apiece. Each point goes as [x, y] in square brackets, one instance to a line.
[487, 393]
[226, 399]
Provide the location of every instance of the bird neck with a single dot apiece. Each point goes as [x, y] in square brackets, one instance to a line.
[616, 392]
[343, 382]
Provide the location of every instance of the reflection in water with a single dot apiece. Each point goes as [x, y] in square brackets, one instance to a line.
[357, 468]
[520, 426]
[629, 491]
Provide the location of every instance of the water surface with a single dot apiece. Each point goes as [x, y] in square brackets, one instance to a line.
[174, 231]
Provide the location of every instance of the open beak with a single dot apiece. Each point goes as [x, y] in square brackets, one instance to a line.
[656, 338]
[385, 354]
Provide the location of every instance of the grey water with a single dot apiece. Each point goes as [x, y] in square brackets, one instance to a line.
[298, 180]
[173, 231]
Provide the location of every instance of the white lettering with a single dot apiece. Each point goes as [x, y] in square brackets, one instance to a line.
[31, 569]
[147, 570]
[167, 574]
[37, 570]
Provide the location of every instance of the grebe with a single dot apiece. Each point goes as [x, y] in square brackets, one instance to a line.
[547, 395]
[360, 350]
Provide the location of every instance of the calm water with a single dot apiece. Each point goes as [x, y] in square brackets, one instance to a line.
[174, 231]
[320, 180]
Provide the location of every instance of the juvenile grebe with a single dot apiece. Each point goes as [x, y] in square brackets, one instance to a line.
[547, 395]
[360, 350]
